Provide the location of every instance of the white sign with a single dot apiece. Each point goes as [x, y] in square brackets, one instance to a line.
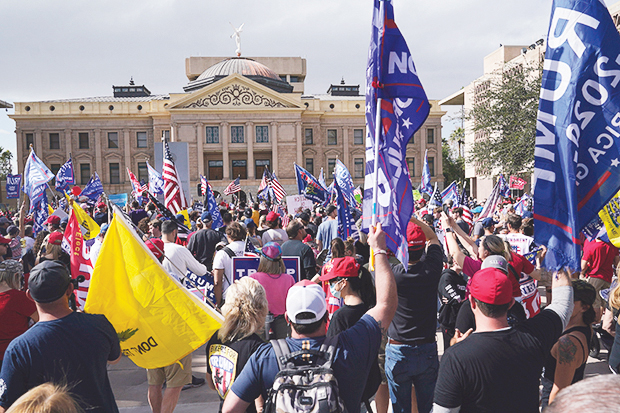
[296, 203]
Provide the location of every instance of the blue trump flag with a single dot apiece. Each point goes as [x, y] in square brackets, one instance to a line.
[309, 186]
[322, 179]
[156, 182]
[65, 176]
[35, 175]
[391, 76]
[13, 183]
[426, 186]
[504, 189]
[346, 223]
[343, 177]
[93, 188]
[577, 156]
[213, 209]
[39, 211]
[451, 193]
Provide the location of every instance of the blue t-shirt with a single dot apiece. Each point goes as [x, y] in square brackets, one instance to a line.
[327, 231]
[73, 350]
[357, 350]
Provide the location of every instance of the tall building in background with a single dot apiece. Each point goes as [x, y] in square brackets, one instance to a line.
[237, 115]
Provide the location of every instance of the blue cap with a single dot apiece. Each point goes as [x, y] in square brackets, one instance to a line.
[249, 222]
[206, 217]
[488, 222]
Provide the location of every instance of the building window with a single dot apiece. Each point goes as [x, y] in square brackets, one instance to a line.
[332, 137]
[294, 78]
[142, 139]
[29, 141]
[259, 166]
[309, 139]
[240, 169]
[431, 165]
[262, 134]
[411, 166]
[54, 140]
[310, 165]
[115, 173]
[213, 134]
[113, 140]
[55, 167]
[84, 173]
[331, 165]
[359, 168]
[143, 172]
[83, 140]
[236, 134]
[216, 170]
[430, 136]
[358, 136]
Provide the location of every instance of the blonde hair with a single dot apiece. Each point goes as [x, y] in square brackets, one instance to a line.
[11, 273]
[53, 249]
[495, 246]
[46, 398]
[276, 267]
[245, 310]
[614, 297]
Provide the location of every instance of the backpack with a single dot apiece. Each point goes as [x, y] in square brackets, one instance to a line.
[308, 388]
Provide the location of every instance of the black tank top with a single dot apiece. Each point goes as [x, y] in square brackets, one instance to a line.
[550, 364]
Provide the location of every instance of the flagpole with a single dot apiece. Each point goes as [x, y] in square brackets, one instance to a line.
[375, 188]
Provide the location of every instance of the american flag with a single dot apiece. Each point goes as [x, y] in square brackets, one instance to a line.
[250, 249]
[233, 187]
[464, 203]
[264, 182]
[277, 187]
[137, 188]
[204, 184]
[283, 215]
[174, 199]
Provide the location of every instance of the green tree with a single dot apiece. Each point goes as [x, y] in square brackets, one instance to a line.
[504, 121]
[5, 163]
[453, 164]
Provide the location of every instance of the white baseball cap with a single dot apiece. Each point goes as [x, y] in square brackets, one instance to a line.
[305, 297]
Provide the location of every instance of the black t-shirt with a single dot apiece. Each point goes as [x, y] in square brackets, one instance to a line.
[498, 371]
[466, 320]
[452, 288]
[416, 315]
[345, 317]
[225, 361]
[202, 246]
[296, 248]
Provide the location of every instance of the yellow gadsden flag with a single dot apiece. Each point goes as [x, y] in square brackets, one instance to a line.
[90, 229]
[610, 215]
[157, 320]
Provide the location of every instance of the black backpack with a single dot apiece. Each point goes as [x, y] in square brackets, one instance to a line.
[310, 387]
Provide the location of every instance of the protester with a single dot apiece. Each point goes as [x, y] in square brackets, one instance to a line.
[498, 368]
[52, 250]
[328, 230]
[155, 228]
[4, 224]
[137, 213]
[202, 243]
[566, 363]
[521, 244]
[275, 233]
[16, 310]
[452, 293]
[599, 258]
[15, 244]
[63, 347]
[223, 275]
[46, 398]
[53, 223]
[231, 346]
[272, 276]
[252, 236]
[411, 351]
[294, 247]
[306, 310]
[178, 258]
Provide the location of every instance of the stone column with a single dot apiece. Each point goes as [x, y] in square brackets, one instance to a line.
[38, 142]
[300, 155]
[274, 147]
[98, 147]
[201, 138]
[174, 131]
[225, 138]
[21, 140]
[420, 162]
[345, 148]
[127, 151]
[250, 158]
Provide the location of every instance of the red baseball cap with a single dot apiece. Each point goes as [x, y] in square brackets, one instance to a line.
[4, 240]
[345, 267]
[272, 216]
[491, 286]
[53, 219]
[415, 236]
[55, 238]
[156, 246]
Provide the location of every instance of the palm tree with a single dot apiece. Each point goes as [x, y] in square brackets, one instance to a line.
[5, 163]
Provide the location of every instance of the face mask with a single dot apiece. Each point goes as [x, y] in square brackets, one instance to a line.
[332, 289]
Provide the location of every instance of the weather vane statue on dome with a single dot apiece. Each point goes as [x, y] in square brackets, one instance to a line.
[237, 36]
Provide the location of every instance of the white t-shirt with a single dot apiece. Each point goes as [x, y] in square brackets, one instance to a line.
[275, 235]
[178, 260]
[520, 243]
[223, 261]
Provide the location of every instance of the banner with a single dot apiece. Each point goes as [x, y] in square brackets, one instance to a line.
[157, 320]
[610, 215]
[90, 229]
[36, 175]
[65, 176]
[297, 203]
[346, 223]
[203, 283]
[80, 258]
[12, 186]
[309, 186]
[516, 182]
[577, 156]
[119, 199]
[93, 188]
[425, 185]
[342, 176]
[243, 266]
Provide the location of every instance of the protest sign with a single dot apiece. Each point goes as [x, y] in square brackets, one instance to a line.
[243, 266]
[296, 203]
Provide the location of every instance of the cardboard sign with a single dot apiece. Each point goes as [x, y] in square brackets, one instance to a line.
[296, 203]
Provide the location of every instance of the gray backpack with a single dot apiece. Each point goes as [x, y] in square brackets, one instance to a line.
[309, 387]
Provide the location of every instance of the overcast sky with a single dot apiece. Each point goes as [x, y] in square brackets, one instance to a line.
[76, 48]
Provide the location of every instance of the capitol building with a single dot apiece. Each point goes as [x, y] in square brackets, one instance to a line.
[235, 117]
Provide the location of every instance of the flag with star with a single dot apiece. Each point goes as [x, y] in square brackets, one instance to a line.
[394, 96]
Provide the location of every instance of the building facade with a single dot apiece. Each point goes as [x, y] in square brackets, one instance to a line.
[237, 116]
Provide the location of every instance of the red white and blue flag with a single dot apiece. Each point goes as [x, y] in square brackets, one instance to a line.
[136, 188]
[233, 187]
[174, 199]
[204, 184]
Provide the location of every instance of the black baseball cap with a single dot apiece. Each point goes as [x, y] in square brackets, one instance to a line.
[48, 281]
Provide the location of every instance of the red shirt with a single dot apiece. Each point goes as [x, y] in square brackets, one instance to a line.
[600, 255]
[15, 310]
[521, 264]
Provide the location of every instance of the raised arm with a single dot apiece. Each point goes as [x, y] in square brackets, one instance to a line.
[387, 299]
[562, 298]
[453, 246]
[466, 240]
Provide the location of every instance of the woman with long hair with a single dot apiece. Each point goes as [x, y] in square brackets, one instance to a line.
[567, 362]
[46, 398]
[244, 313]
[16, 310]
[272, 276]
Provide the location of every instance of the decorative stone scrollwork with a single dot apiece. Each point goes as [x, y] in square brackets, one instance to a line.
[235, 95]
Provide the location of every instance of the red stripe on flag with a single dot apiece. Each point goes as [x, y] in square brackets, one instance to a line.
[592, 191]
[558, 224]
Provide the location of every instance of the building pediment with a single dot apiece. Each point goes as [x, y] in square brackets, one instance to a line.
[235, 92]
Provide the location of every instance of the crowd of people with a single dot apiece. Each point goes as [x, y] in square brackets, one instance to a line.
[354, 309]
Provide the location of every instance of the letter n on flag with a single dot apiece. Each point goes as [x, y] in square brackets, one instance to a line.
[158, 321]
